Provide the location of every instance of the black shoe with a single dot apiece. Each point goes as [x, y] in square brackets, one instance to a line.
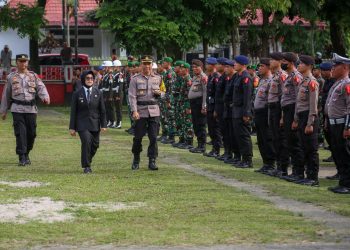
[308, 182]
[245, 164]
[340, 190]
[329, 159]
[169, 140]
[333, 177]
[136, 162]
[213, 153]
[199, 150]
[28, 162]
[152, 164]
[22, 160]
[87, 170]
[265, 168]
[292, 177]
[236, 161]
[222, 157]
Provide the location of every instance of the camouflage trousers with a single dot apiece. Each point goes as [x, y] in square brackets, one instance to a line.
[163, 116]
[171, 117]
[186, 126]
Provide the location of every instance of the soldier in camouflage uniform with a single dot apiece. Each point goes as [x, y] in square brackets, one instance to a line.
[163, 107]
[169, 78]
[186, 127]
[176, 100]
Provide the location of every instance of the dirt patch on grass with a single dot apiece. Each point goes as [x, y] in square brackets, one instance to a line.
[23, 184]
[34, 209]
[45, 210]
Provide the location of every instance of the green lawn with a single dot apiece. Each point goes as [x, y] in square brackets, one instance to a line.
[181, 208]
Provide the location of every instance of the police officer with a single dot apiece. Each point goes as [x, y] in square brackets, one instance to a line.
[230, 139]
[118, 92]
[143, 94]
[306, 120]
[328, 83]
[19, 96]
[275, 114]
[213, 124]
[289, 96]
[338, 111]
[108, 86]
[263, 131]
[242, 110]
[197, 96]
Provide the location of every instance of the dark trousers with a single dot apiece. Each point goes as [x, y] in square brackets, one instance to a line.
[118, 109]
[90, 141]
[293, 143]
[214, 131]
[110, 110]
[241, 131]
[341, 153]
[309, 144]
[24, 125]
[327, 134]
[199, 120]
[264, 136]
[151, 125]
[278, 136]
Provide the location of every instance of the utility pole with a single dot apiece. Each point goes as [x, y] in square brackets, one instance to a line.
[63, 21]
[76, 30]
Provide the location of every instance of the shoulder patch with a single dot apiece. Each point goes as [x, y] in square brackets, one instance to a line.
[204, 79]
[216, 80]
[283, 77]
[312, 85]
[246, 80]
[347, 89]
[296, 80]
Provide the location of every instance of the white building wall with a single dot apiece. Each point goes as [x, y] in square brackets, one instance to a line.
[17, 45]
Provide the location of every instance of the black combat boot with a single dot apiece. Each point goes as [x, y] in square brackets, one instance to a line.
[199, 150]
[28, 162]
[170, 140]
[136, 162]
[177, 144]
[22, 160]
[152, 164]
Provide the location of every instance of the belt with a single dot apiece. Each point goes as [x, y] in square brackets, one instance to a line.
[24, 103]
[274, 104]
[146, 103]
[336, 121]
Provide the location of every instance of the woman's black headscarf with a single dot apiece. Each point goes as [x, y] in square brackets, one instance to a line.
[84, 74]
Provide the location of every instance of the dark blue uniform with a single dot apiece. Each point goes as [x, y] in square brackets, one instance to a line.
[242, 107]
[213, 123]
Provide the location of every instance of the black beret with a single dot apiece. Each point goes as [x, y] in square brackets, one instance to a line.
[290, 57]
[308, 60]
[197, 62]
[265, 61]
[277, 56]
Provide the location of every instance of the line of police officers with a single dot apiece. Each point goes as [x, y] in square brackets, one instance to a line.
[286, 111]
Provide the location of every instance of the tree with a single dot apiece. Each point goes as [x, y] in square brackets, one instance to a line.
[219, 18]
[268, 10]
[141, 26]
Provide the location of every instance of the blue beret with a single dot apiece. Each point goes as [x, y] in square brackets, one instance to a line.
[211, 60]
[243, 60]
[229, 62]
[221, 60]
[100, 68]
[326, 66]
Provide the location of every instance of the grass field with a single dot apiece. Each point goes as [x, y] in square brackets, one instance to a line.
[179, 208]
